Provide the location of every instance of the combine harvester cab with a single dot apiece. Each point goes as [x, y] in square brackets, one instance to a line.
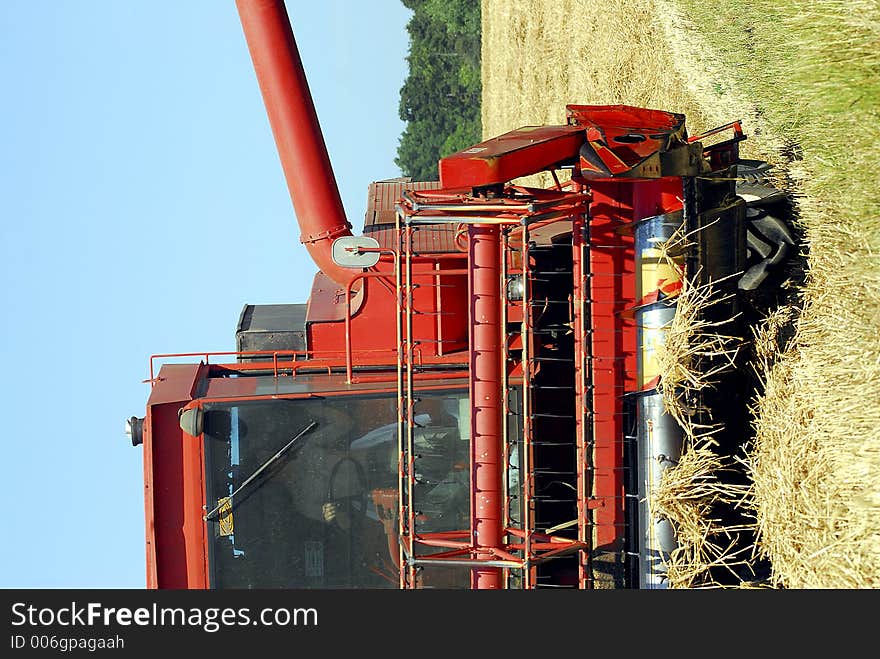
[469, 398]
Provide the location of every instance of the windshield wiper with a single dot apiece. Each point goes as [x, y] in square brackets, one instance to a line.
[261, 468]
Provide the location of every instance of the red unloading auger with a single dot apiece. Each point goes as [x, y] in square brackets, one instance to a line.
[298, 136]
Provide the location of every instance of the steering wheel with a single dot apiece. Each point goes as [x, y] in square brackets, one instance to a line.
[356, 503]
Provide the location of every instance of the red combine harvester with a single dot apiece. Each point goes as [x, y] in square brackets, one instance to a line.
[468, 399]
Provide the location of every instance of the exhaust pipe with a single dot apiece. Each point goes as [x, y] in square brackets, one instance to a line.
[298, 136]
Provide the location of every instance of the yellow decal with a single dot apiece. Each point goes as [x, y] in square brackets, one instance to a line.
[653, 339]
[225, 516]
[661, 276]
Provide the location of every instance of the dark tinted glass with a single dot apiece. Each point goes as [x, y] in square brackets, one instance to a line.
[324, 513]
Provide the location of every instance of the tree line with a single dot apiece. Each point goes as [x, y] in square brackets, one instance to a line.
[441, 95]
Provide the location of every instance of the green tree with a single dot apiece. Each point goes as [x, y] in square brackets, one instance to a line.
[440, 98]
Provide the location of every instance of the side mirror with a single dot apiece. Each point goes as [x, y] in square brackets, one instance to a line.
[191, 420]
[346, 252]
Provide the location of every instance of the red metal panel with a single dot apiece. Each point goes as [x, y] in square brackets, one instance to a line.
[671, 194]
[173, 490]
[174, 383]
[373, 327]
[625, 116]
[620, 137]
[327, 303]
[518, 153]
[382, 197]
[230, 387]
[631, 133]
[438, 239]
[655, 197]
[613, 347]
[194, 529]
[646, 199]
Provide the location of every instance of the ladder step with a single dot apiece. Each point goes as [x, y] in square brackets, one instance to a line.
[517, 442]
[550, 331]
[543, 530]
[553, 585]
[419, 341]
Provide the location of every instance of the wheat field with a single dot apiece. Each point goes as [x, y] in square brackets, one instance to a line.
[814, 462]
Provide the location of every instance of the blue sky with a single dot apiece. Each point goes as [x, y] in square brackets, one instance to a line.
[142, 204]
